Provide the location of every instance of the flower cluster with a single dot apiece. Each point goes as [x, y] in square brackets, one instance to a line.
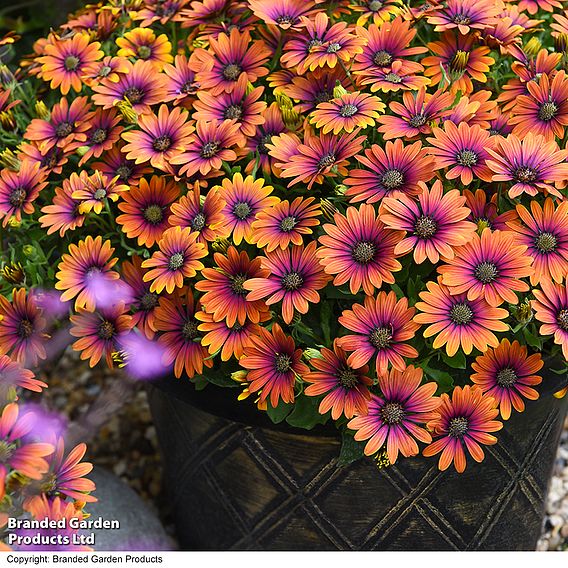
[349, 210]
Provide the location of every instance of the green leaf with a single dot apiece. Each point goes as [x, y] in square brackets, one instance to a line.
[279, 413]
[458, 361]
[200, 382]
[305, 414]
[532, 340]
[326, 314]
[221, 379]
[445, 380]
[351, 450]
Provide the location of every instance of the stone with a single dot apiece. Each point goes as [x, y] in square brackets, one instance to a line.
[140, 528]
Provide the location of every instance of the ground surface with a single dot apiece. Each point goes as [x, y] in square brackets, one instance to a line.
[111, 414]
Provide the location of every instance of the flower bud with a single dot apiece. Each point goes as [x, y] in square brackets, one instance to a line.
[523, 312]
[10, 160]
[42, 111]
[561, 43]
[339, 91]
[220, 245]
[312, 354]
[239, 376]
[328, 209]
[532, 47]
[459, 62]
[13, 273]
[29, 250]
[382, 458]
[127, 112]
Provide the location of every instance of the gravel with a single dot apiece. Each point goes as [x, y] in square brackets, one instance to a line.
[109, 412]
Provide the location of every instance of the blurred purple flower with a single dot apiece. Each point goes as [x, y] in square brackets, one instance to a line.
[143, 357]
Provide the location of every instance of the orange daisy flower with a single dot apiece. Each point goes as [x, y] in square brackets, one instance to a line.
[350, 111]
[359, 249]
[142, 43]
[22, 330]
[204, 216]
[178, 258]
[225, 296]
[243, 199]
[83, 268]
[99, 332]
[294, 278]
[94, 191]
[490, 267]
[545, 233]
[285, 223]
[462, 424]
[146, 209]
[507, 374]
[175, 318]
[457, 321]
[65, 61]
[230, 340]
[160, 138]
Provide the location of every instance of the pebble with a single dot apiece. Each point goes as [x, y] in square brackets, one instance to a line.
[555, 534]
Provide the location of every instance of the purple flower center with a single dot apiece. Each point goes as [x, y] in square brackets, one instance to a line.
[425, 227]
[285, 20]
[322, 97]
[545, 243]
[71, 62]
[393, 78]
[507, 377]
[461, 19]
[486, 272]
[162, 143]
[189, 87]
[63, 129]
[461, 314]
[562, 319]
[100, 194]
[124, 172]
[209, 150]
[292, 281]
[288, 223]
[380, 337]
[417, 120]
[98, 136]
[347, 378]
[105, 71]
[382, 58]
[189, 330]
[153, 214]
[392, 179]
[198, 222]
[364, 252]
[134, 95]
[149, 301]
[458, 427]
[282, 363]
[242, 210]
[333, 47]
[261, 147]
[233, 112]
[525, 174]
[237, 284]
[25, 328]
[348, 110]
[547, 111]
[232, 71]
[176, 261]
[392, 413]
[467, 158]
[17, 197]
[144, 52]
[106, 330]
[375, 5]
[326, 161]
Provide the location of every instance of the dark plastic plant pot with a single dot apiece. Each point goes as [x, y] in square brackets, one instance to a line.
[238, 482]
